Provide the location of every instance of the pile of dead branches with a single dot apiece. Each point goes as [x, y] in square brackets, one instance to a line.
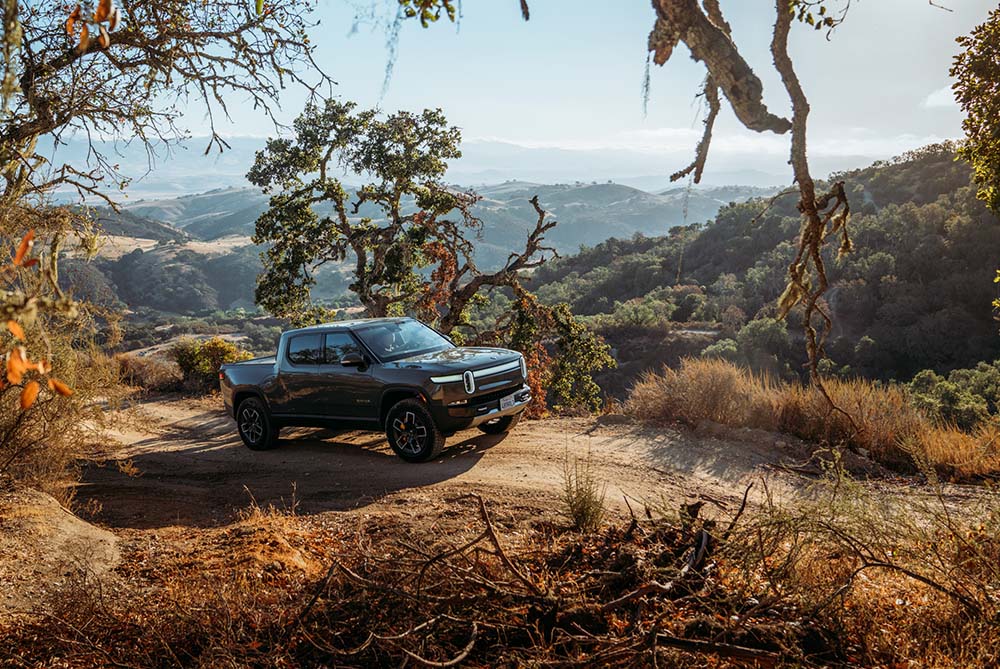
[634, 595]
[844, 579]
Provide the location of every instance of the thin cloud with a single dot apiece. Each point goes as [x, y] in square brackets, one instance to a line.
[942, 98]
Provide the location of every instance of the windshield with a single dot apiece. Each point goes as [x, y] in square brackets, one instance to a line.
[402, 339]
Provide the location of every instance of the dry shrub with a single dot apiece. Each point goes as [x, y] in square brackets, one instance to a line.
[150, 373]
[851, 577]
[583, 495]
[705, 389]
[877, 418]
[905, 579]
[42, 446]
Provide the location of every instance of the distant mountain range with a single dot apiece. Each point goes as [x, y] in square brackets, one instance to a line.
[185, 168]
[193, 253]
[588, 212]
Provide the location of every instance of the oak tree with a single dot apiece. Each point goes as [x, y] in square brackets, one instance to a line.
[408, 237]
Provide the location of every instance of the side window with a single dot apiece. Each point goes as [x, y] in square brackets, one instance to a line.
[339, 344]
[306, 350]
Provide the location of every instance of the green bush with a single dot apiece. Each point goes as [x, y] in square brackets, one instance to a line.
[952, 400]
[200, 360]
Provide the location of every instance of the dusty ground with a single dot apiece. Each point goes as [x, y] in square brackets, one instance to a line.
[187, 467]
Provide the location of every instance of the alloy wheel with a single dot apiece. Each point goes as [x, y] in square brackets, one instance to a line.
[251, 424]
[410, 433]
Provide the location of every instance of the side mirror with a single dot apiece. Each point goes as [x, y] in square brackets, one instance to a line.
[353, 360]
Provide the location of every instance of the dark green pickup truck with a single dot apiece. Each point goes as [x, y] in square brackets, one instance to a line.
[392, 374]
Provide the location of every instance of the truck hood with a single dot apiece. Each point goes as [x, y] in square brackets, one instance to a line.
[457, 359]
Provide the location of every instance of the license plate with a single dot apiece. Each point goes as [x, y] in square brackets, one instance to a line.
[506, 402]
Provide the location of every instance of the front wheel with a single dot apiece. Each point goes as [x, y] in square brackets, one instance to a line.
[412, 433]
[255, 426]
[501, 425]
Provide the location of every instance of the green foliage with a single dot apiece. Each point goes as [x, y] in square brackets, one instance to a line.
[403, 225]
[580, 354]
[966, 398]
[429, 11]
[726, 349]
[976, 71]
[763, 345]
[200, 360]
[926, 254]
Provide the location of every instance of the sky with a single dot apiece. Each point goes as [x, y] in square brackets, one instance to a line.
[571, 79]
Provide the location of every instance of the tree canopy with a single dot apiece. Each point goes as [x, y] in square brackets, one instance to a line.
[407, 236]
[977, 89]
[126, 71]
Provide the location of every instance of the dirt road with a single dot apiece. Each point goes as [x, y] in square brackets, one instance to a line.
[186, 466]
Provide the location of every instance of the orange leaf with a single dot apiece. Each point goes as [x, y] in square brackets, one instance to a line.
[16, 366]
[58, 386]
[103, 10]
[71, 21]
[15, 329]
[43, 367]
[26, 242]
[31, 263]
[29, 395]
[84, 38]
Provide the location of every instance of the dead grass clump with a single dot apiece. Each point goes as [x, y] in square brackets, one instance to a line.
[876, 418]
[583, 495]
[149, 373]
[705, 389]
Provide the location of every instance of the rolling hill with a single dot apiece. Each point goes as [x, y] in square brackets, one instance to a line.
[193, 253]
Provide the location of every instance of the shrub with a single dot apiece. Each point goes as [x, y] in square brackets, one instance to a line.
[583, 495]
[709, 389]
[55, 385]
[878, 418]
[199, 361]
[150, 373]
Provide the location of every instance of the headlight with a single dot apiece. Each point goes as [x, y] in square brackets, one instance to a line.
[452, 378]
[524, 368]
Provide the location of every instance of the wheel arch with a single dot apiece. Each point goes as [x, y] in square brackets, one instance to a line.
[396, 394]
[244, 393]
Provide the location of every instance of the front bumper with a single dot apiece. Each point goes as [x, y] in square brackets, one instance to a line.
[454, 418]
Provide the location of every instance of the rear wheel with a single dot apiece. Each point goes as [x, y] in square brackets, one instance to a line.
[501, 425]
[255, 426]
[412, 433]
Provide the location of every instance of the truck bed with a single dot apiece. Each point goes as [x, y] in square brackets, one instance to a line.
[263, 360]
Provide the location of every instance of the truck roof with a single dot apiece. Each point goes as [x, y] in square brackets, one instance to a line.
[347, 325]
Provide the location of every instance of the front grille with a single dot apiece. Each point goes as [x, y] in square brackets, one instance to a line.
[494, 396]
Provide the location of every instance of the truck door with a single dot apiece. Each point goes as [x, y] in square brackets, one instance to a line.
[298, 373]
[346, 392]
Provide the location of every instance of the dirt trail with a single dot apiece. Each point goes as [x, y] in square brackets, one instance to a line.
[193, 470]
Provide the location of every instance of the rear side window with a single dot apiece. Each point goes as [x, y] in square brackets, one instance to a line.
[339, 344]
[306, 350]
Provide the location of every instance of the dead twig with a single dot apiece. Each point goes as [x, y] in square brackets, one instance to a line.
[758, 657]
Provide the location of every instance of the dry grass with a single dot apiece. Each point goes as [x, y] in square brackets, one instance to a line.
[149, 373]
[876, 418]
[850, 578]
[583, 495]
[41, 448]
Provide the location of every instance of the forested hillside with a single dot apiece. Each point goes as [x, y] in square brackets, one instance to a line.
[915, 293]
[203, 259]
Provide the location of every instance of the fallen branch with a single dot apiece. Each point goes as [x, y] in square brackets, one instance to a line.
[768, 658]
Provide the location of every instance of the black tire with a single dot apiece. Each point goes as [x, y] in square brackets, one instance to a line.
[501, 425]
[254, 423]
[411, 431]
